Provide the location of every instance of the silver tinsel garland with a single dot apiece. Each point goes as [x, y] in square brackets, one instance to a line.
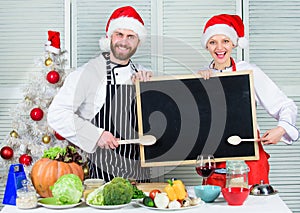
[38, 93]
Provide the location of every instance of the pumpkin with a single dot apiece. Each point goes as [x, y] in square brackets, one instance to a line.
[45, 173]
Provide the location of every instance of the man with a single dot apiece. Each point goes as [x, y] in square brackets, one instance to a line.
[96, 105]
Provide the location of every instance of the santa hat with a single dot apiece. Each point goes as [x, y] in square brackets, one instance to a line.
[123, 18]
[229, 25]
[53, 43]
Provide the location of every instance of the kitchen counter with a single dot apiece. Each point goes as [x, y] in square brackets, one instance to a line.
[253, 204]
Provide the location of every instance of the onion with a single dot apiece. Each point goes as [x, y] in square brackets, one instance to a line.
[161, 200]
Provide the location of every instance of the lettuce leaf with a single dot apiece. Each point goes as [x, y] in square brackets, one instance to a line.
[96, 197]
[68, 189]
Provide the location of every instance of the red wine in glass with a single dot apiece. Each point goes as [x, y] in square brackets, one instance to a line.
[205, 166]
[205, 171]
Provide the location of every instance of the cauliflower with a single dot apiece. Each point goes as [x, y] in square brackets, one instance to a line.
[116, 192]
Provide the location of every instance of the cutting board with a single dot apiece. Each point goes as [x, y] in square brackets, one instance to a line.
[147, 187]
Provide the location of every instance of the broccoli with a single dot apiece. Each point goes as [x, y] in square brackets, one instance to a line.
[116, 192]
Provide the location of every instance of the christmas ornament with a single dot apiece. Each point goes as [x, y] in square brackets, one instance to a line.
[53, 77]
[36, 114]
[46, 139]
[14, 134]
[7, 152]
[58, 136]
[27, 99]
[25, 159]
[53, 43]
[85, 169]
[48, 61]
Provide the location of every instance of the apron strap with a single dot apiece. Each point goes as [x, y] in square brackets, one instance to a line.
[232, 64]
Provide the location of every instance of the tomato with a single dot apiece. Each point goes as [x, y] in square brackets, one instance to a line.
[153, 193]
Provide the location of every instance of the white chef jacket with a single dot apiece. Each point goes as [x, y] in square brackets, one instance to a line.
[81, 98]
[272, 99]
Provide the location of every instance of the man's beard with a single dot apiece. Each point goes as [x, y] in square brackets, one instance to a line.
[121, 56]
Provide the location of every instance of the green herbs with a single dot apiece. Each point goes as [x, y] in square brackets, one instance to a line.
[137, 193]
[67, 154]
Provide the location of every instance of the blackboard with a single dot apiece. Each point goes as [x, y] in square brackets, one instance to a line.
[189, 116]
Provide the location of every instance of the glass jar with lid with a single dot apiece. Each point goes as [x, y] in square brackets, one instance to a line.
[236, 173]
[26, 196]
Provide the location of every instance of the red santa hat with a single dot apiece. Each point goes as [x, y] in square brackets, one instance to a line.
[53, 43]
[229, 25]
[123, 18]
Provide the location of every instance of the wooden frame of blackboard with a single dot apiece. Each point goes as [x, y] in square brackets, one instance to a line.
[206, 113]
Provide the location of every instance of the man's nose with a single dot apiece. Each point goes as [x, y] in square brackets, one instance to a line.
[123, 40]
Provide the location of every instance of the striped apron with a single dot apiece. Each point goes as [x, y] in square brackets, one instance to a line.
[258, 169]
[118, 115]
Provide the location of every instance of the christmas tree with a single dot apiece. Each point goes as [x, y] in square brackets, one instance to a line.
[30, 134]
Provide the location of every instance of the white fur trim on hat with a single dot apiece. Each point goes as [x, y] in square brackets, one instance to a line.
[50, 48]
[219, 29]
[127, 23]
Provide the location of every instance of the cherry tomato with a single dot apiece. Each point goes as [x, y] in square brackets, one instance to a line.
[153, 193]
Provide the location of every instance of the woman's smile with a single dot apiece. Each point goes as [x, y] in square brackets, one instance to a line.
[220, 55]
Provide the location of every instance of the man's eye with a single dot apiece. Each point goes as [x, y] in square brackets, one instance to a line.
[131, 37]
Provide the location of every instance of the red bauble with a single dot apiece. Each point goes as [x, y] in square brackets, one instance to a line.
[25, 159]
[53, 77]
[36, 114]
[58, 136]
[7, 152]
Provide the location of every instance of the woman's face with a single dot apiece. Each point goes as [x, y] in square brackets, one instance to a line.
[220, 47]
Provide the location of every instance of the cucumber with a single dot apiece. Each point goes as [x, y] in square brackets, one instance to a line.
[147, 201]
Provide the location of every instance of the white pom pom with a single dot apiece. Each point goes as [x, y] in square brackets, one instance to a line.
[47, 45]
[243, 42]
[104, 44]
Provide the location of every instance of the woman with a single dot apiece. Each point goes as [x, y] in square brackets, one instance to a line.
[222, 33]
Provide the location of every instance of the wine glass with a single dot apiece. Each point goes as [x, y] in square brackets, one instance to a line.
[205, 166]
